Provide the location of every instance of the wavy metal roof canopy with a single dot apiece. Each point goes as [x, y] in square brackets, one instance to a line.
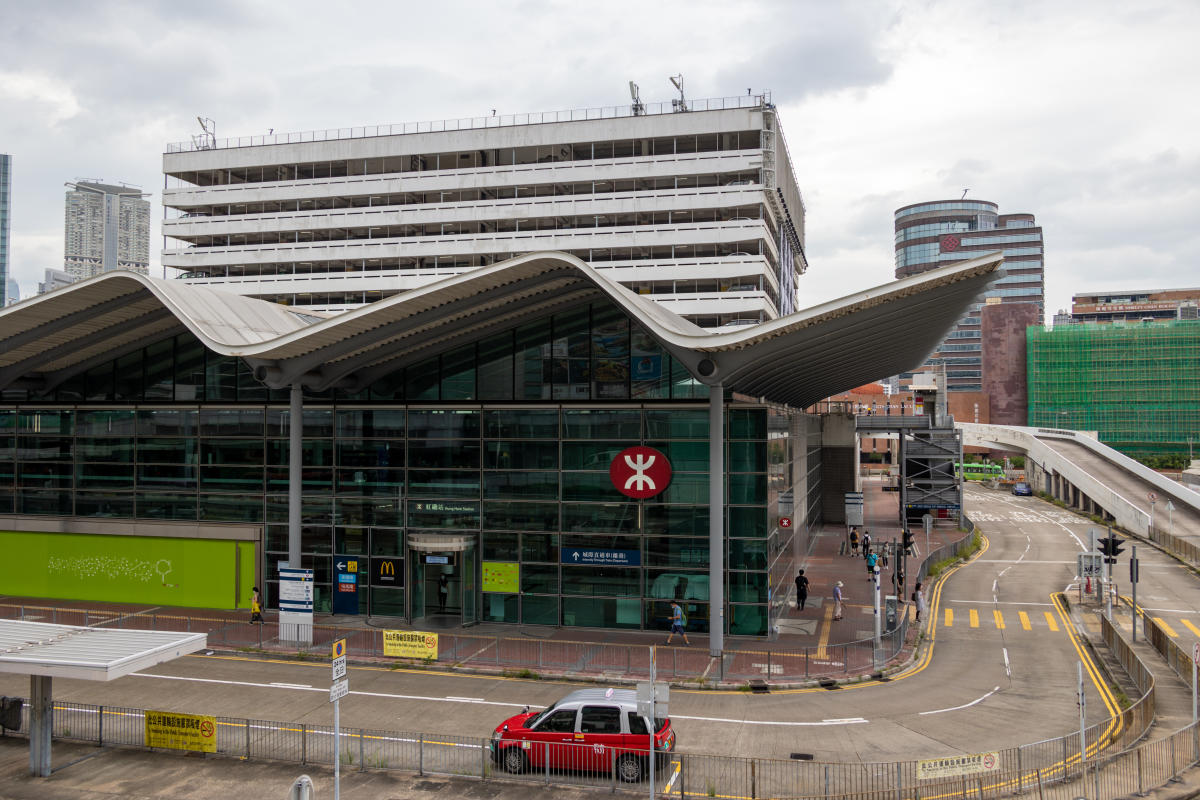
[798, 359]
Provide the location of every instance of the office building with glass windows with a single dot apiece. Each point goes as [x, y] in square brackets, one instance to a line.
[933, 234]
[531, 435]
[694, 205]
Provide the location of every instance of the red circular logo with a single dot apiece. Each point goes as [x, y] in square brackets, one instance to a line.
[785, 522]
[640, 472]
[950, 243]
[206, 729]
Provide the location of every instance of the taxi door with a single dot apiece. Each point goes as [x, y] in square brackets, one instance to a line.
[554, 737]
[600, 727]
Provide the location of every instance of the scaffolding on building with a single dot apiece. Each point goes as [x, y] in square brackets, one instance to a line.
[1137, 386]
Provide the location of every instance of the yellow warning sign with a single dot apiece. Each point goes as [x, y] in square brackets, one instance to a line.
[410, 644]
[181, 731]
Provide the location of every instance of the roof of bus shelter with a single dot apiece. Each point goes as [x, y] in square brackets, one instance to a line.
[95, 654]
[797, 359]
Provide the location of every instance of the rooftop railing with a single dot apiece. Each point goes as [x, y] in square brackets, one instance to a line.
[472, 123]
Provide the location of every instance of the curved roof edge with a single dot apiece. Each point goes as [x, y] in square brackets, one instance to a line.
[796, 359]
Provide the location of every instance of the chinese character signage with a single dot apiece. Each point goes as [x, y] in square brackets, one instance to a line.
[410, 644]
[181, 731]
[500, 576]
[608, 558]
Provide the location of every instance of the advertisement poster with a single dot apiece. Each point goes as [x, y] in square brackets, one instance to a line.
[500, 576]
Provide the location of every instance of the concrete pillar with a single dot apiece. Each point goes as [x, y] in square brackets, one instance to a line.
[295, 478]
[41, 725]
[716, 520]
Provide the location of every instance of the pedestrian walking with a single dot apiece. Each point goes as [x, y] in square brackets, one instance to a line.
[837, 600]
[255, 605]
[801, 590]
[871, 561]
[854, 541]
[677, 623]
[918, 597]
[443, 590]
[866, 543]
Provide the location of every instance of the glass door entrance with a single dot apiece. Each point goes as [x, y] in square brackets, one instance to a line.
[444, 586]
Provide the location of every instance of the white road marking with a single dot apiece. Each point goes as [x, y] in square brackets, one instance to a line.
[1001, 603]
[476, 701]
[1007, 669]
[966, 705]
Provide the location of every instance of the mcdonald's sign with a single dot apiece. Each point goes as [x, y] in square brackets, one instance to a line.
[387, 572]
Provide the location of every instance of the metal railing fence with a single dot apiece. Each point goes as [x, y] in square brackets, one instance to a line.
[1175, 545]
[470, 123]
[1177, 658]
[1051, 769]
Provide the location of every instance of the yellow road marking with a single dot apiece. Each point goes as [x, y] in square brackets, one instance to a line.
[1190, 626]
[1024, 624]
[1050, 621]
[824, 640]
[999, 618]
[949, 618]
[1170, 631]
[974, 618]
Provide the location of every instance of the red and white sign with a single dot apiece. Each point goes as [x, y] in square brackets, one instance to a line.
[1152, 496]
[640, 472]
[785, 522]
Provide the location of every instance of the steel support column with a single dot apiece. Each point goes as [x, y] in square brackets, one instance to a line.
[41, 725]
[716, 520]
[295, 478]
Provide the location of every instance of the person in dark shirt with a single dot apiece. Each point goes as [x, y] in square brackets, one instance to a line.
[801, 590]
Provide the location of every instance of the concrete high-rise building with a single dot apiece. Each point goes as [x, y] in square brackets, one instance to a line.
[107, 227]
[937, 233]
[692, 204]
[5, 211]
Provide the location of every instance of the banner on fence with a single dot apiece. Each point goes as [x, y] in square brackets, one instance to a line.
[953, 766]
[410, 644]
[181, 731]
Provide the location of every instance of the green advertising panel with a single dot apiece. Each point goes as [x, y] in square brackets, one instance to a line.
[500, 576]
[153, 570]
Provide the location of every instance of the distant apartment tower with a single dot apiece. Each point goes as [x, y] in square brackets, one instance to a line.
[107, 227]
[1133, 305]
[934, 234]
[5, 211]
[695, 206]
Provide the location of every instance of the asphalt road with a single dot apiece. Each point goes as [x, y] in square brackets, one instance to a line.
[1002, 670]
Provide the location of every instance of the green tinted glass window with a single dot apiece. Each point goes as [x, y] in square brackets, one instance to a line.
[105, 423]
[500, 546]
[677, 423]
[521, 455]
[539, 610]
[747, 489]
[747, 423]
[521, 485]
[539, 547]
[520, 516]
[747, 456]
[588, 486]
[521, 424]
[605, 518]
[539, 579]
[371, 424]
[684, 456]
[443, 483]
[603, 424]
[747, 522]
[594, 456]
[444, 454]
[592, 612]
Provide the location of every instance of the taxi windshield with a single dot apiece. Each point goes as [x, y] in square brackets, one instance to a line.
[541, 715]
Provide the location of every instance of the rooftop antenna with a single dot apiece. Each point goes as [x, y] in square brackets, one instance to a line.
[208, 139]
[681, 103]
[964, 196]
[638, 108]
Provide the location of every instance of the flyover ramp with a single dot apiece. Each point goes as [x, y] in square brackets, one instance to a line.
[1074, 466]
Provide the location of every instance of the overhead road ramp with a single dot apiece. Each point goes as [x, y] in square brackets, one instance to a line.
[45, 651]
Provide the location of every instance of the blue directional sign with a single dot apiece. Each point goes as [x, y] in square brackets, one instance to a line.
[611, 558]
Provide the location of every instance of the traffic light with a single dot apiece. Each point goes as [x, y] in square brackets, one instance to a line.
[1111, 547]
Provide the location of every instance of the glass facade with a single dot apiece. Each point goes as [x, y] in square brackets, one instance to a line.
[506, 441]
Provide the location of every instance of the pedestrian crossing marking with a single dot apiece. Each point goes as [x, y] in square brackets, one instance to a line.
[974, 618]
[1050, 621]
[999, 618]
[1170, 631]
[1024, 624]
[949, 621]
[1187, 624]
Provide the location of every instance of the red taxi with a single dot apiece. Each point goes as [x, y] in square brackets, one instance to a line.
[591, 730]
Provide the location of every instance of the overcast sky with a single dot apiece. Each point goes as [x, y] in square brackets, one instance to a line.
[1077, 112]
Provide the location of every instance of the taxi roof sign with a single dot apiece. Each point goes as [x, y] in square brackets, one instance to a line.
[339, 648]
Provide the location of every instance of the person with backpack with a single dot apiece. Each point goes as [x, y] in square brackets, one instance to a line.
[255, 605]
[801, 590]
[866, 543]
[871, 561]
[678, 621]
[853, 541]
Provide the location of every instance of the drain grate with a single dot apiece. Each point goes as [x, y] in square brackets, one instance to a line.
[802, 756]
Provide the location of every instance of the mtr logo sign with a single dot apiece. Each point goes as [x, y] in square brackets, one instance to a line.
[640, 472]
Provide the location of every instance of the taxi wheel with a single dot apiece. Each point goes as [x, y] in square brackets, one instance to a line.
[514, 760]
[629, 767]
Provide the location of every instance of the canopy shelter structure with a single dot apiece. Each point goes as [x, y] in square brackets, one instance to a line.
[795, 360]
[45, 651]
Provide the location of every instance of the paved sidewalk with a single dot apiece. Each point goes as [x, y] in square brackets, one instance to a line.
[808, 643]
